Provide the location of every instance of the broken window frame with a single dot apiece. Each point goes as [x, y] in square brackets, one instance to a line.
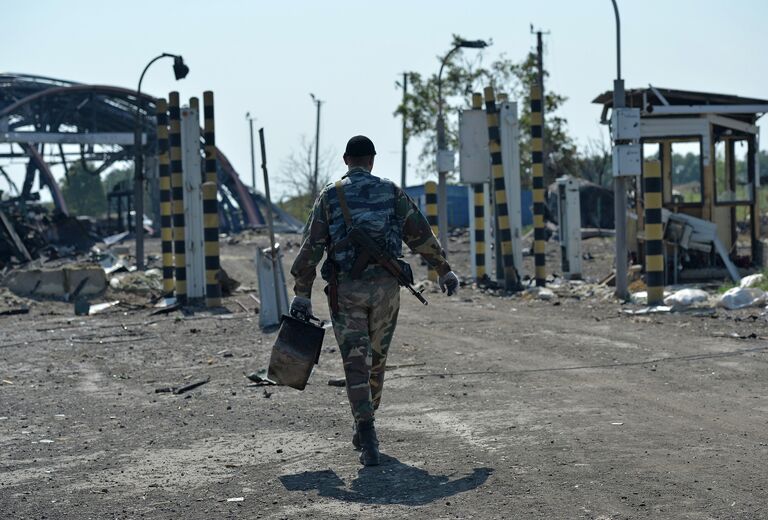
[730, 171]
[668, 175]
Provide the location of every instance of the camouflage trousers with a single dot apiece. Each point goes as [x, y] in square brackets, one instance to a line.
[364, 324]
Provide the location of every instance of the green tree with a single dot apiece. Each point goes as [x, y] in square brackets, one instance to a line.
[116, 176]
[463, 76]
[83, 191]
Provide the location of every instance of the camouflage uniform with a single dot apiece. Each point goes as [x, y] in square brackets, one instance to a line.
[367, 309]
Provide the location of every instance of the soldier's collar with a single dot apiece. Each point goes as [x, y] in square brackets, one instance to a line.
[356, 169]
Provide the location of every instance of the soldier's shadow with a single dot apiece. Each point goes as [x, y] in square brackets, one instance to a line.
[390, 483]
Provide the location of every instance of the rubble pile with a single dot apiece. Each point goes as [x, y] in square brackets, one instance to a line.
[30, 231]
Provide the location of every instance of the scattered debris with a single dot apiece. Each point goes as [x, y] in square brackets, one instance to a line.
[236, 499]
[166, 310]
[340, 382]
[177, 390]
[656, 309]
[13, 312]
[82, 307]
[138, 282]
[260, 378]
[228, 285]
[101, 307]
[740, 297]
[752, 280]
[685, 298]
[541, 293]
[61, 282]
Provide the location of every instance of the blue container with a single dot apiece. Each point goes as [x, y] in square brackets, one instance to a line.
[458, 204]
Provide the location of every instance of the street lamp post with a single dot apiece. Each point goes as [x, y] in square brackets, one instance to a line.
[620, 181]
[317, 149]
[180, 70]
[442, 172]
[253, 157]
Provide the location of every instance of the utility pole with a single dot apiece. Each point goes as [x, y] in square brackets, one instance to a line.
[405, 137]
[317, 148]
[619, 181]
[253, 158]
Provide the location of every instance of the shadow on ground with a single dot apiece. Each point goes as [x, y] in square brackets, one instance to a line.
[390, 483]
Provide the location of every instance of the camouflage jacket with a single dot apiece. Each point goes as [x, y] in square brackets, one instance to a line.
[414, 230]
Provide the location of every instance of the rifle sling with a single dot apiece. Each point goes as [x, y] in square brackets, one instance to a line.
[343, 204]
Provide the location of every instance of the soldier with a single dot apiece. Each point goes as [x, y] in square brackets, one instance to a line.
[364, 300]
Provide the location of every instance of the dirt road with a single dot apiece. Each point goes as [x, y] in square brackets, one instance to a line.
[494, 407]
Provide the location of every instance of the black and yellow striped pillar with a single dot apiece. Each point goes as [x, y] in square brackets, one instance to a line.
[164, 171]
[654, 233]
[430, 202]
[210, 207]
[177, 194]
[511, 281]
[479, 211]
[537, 174]
[479, 205]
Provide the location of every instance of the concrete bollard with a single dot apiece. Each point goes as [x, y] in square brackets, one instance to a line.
[511, 280]
[430, 202]
[177, 193]
[164, 171]
[210, 207]
[654, 233]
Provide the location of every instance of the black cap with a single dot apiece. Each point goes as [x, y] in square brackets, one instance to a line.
[359, 146]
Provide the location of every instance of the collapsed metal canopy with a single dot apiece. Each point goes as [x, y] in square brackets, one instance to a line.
[42, 119]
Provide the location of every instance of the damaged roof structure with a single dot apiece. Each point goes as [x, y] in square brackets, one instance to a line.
[48, 122]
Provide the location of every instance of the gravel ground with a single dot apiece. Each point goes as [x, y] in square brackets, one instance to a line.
[494, 407]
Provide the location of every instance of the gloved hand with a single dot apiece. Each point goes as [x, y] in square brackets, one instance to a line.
[449, 281]
[301, 308]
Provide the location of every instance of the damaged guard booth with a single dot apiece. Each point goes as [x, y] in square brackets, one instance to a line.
[707, 145]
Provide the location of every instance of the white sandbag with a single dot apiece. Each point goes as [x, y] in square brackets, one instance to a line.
[686, 297]
[752, 280]
[740, 297]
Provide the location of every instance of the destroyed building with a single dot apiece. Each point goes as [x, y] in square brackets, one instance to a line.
[717, 135]
[48, 124]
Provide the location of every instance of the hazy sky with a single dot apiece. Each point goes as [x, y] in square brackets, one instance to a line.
[266, 56]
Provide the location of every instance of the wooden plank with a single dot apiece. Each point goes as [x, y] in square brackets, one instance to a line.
[20, 248]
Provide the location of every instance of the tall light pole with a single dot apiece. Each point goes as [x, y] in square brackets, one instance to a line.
[253, 157]
[442, 171]
[403, 162]
[317, 149]
[180, 70]
[619, 181]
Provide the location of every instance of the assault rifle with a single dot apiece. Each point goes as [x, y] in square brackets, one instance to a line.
[369, 250]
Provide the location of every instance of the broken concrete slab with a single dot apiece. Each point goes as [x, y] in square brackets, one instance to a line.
[58, 282]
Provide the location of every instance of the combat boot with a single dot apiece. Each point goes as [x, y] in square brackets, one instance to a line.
[369, 444]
